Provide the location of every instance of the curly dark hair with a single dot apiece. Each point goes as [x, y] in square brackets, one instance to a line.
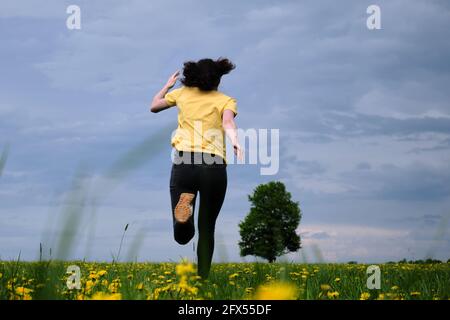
[205, 74]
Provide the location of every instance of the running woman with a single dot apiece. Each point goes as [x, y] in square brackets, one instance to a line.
[205, 117]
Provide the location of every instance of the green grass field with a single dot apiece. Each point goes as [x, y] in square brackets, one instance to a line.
[47, 280]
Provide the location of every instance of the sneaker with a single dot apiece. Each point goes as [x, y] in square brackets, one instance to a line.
[184, 208]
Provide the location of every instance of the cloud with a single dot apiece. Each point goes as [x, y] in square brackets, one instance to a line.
[416, 182]
[363, 166]
[347, 242]
[315, 235]
[5, 110]
[438, 145]
[29, 9]
[306, 167]
[413, 99]
[124, 54]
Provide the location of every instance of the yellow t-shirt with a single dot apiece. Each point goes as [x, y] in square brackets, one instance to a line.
[200, 119]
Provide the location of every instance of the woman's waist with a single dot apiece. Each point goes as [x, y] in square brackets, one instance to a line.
[198, 158]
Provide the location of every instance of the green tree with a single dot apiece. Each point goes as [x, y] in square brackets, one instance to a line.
[268, 231]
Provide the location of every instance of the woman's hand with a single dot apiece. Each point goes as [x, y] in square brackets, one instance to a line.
[158, 102]
[172, 80]
[238, 151]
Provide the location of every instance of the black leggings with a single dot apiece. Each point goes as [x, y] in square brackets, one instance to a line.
[210, 180]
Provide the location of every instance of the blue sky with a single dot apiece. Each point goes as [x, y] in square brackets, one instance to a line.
[364, 119]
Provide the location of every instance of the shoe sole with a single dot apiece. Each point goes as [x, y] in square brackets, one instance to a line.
[184, 208]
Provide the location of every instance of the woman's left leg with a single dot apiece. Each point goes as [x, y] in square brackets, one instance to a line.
[212, 188]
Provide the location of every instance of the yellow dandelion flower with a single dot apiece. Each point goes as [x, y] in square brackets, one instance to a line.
[394, 288]
[249, 290]
[276, 291]
[140, 286]
[184, 268]
[333, 295]
[337, 280]
[113, 287]
[89, 285]
[23, 290]
[232, 276]
[101, 273]
[23, 293]
[154, 295]
[325, 287]
[415, 293]
[364, 296]
[106, 296]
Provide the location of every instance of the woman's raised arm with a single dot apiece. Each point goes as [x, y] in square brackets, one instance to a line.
[158, 102]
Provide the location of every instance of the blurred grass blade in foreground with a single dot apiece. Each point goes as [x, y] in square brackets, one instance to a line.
[72, 215]
[3, 158]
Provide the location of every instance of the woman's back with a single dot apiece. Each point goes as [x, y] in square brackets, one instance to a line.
[200, 119]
